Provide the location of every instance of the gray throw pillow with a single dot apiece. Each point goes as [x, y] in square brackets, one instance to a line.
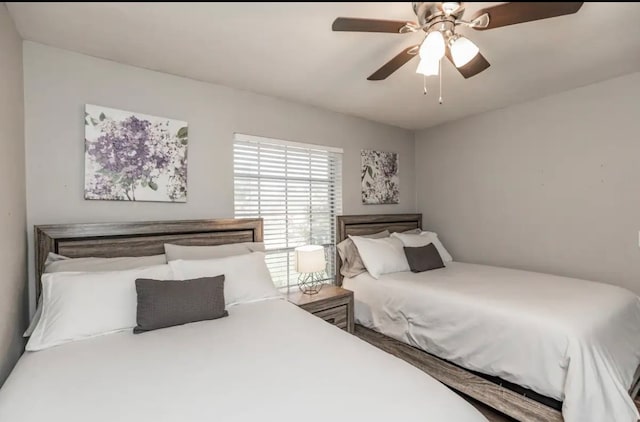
[165, 303]
[423, 258]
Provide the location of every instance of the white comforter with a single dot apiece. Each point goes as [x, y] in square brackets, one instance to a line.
[573, 340]
[268, 361]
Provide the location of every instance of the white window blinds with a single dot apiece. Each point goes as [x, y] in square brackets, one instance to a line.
[297, 189]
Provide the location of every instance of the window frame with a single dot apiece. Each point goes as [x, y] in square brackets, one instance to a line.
[334, 187]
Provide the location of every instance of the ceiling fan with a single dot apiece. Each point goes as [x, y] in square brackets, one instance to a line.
[440, 21]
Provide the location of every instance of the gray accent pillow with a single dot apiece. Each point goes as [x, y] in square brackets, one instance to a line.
[191, 253]
[166, 303]
[423, 258]
[352, 264]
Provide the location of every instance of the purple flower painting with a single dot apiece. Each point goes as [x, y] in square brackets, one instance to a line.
[134, 157]
[380, 181]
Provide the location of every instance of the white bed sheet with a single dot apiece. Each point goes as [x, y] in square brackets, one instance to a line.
[573, 340]
[268, 361]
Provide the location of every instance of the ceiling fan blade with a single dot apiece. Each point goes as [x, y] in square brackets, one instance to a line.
[475, 66]
[394, 64]
[371, 25]
[520, 12]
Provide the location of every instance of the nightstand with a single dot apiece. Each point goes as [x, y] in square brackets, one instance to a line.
[333, 304]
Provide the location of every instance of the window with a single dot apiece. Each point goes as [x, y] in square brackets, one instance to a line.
[297, 189]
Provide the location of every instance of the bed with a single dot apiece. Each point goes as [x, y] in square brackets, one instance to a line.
[268, 360]
[528, 344]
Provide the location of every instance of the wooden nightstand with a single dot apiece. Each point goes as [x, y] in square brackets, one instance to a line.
[333, 304]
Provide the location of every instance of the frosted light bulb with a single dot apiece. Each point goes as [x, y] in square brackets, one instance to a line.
[463, 51]
[428, 67]
[432, 47]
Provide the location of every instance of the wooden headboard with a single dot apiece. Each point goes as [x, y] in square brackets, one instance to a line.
[137, 238]
[358, 225]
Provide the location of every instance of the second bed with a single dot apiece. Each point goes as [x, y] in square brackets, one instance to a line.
[574, 341]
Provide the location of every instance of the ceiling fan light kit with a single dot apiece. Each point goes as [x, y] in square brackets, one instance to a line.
[428, 67]
[431, 51]
[433, 46]
[440, 21]
[463, 50]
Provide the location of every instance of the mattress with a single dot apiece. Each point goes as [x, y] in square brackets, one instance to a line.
[267, 361]
[573, 340]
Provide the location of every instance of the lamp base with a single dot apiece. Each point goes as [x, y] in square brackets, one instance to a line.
[310, 283]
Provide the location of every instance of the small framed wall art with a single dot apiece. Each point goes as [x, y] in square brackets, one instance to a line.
[379, 177]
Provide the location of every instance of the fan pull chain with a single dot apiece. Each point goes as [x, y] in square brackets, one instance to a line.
[440, 73]
[424, 84]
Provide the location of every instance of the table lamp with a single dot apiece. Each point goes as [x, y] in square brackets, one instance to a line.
[311, 265]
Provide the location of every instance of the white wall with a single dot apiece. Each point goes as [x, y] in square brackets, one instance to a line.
[13, 247]
[551, 185]
[58, 83]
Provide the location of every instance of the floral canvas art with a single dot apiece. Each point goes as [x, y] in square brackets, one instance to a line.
[380, 181]
[134, 157]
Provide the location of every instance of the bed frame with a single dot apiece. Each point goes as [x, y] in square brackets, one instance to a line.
[137, 238]
[510, 399]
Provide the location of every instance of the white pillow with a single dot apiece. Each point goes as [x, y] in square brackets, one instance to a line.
[80, 305]
[423, 239]
[246, 277]
[34, 321]
[56, 263]
[381, 256]
[175, 252]
[444, 254]
[413, 240]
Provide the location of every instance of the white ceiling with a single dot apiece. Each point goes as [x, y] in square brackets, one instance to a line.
[288, 50]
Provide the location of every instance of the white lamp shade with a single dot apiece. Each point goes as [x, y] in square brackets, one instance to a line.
[462, 51]
[310, 259]
[428, 67]
[432, 47]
